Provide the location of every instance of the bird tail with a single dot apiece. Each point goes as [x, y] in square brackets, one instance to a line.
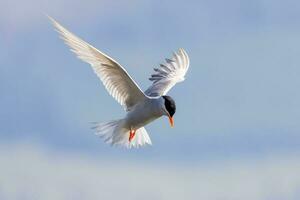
[114, 133]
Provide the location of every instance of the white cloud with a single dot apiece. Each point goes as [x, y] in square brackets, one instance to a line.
[29, 172]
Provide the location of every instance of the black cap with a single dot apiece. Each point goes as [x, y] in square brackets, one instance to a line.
[170, 105]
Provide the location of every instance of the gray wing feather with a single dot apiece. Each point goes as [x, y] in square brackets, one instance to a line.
[168, 74]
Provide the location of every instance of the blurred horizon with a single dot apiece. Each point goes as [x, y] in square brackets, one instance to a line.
[239, 103]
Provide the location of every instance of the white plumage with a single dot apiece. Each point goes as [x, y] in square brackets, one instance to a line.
[142, 108]
[167, 75]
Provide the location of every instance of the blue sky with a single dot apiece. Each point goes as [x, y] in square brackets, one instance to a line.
[240, 99]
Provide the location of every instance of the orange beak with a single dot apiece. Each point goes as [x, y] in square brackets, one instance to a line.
[171, 121]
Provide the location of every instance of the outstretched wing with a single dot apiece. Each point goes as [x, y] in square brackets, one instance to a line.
[168, 74]
[114, 77]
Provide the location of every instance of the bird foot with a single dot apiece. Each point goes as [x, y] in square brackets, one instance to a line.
[131, 135]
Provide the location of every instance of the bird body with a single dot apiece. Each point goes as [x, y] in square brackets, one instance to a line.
[141, 107]
[145, 112]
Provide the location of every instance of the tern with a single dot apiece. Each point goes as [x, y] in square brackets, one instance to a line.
[141, 107]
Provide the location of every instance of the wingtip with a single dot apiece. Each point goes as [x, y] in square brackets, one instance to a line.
[182, 50]
[53, 21]
[184, 53]
[50, 18]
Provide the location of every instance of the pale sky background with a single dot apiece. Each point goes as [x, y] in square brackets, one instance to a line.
[237, 127]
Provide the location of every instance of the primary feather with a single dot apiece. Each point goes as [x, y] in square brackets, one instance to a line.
[114, 77]
[168, 74]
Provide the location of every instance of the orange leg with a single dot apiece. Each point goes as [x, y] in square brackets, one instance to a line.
[131, 135]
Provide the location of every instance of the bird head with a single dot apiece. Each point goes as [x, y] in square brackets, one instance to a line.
[169, 108]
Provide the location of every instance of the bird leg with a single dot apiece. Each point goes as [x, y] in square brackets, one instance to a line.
[131, 135]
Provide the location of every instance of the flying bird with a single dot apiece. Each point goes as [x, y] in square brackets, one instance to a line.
[141, 107]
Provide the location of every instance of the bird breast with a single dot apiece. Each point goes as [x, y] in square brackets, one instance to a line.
[143, 113]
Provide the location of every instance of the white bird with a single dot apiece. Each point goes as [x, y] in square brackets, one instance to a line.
[141, 107]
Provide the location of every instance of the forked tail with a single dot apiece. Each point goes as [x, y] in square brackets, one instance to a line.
[114, 133]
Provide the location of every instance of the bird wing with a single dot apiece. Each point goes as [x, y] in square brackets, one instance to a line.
[114, 77]
[168, 74]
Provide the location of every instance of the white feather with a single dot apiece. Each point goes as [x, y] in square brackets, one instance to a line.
[168, 74]
[114, 77]
[114, 133]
